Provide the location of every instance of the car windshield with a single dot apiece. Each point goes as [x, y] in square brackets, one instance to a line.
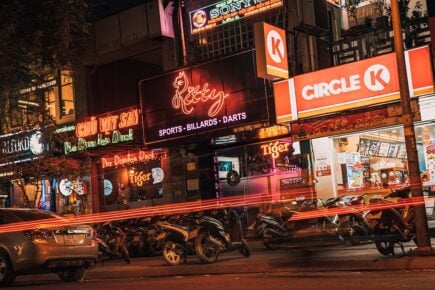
[30, 215]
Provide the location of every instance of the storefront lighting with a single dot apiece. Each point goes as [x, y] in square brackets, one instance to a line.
[186, 96]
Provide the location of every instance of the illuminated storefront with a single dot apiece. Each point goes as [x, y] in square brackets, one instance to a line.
[358, 142]
[97, 137]
[214, 119]
[136, 178]
[274, 169]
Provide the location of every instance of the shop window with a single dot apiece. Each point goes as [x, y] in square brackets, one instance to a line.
[372, 160]
[268, 168]
[145, 182]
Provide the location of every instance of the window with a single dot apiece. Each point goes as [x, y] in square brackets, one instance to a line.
[56, 92]
[67, 94]
[232, 37]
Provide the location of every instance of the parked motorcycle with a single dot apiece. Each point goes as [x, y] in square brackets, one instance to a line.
[220, 233]
[277, 230]
[152, 235]
[392, 225]
[178, 238]
[352, 225]
[111, 243]
[136, 237]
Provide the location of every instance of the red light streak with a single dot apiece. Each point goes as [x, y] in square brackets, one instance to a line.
[186, 207]
[170, 209]
[301, 215]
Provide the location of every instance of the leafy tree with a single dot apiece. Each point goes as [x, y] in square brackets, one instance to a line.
[39, 37]
[351, 8]
[411, 22]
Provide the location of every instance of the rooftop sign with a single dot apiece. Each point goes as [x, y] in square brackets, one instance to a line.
[226, 11]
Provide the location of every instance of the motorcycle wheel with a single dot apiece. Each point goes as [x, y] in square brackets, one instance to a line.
[357, 231]
[153, 247]
[170, 253]
[268, 241]
[206, 251]
[259, 229]
[244, 249]
[386, 248]
[124, 254]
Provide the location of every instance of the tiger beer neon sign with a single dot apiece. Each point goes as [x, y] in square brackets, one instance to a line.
[186, 96]
[274, 149]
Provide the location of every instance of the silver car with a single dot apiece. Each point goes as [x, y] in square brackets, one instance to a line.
[65, 250]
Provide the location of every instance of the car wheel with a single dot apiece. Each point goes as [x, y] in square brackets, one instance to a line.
[7, 274]
[71, 275]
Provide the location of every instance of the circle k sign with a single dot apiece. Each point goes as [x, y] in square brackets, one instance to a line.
[270, 51]
[275, 46]
[377, 77]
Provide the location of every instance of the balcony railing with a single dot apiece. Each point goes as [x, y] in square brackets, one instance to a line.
[372, 43]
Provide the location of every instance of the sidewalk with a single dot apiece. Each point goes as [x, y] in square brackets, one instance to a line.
[335, 258]
[265, 261]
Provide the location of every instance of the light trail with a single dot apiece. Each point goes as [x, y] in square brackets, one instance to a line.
[194, 206]
[169, 209]
[382, 205]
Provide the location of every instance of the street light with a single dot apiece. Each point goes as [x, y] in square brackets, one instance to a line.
[421, 226]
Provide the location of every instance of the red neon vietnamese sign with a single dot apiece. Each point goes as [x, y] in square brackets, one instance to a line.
[134, 157]
[187, 96]
[107, 123]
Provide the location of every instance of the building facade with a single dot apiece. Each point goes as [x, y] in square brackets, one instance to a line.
[169, 106]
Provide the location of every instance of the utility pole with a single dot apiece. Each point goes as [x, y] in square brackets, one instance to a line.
[421, 225]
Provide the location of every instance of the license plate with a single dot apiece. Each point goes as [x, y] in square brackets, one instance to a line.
[72, 239]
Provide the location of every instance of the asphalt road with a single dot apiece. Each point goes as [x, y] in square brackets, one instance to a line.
[335, 267]
[420, 280]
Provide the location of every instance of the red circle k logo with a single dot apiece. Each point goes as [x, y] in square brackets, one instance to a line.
[275, 46]
[377, 77]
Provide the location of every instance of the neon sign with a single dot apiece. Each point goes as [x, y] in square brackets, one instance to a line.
[274, 149]
[272, 131]
[21, 147]
[107, 123]
[97, 131]
[133, 158]
[227, 11]
[197, 100]
[187, 96]
[140, 177]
